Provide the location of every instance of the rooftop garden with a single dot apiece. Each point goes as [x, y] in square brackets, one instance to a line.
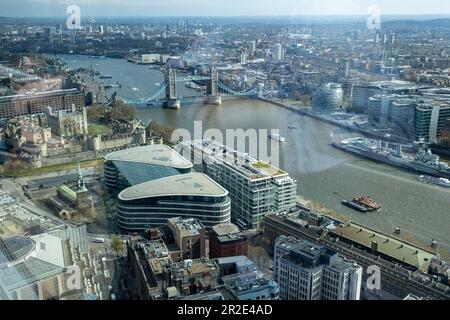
[260, 165]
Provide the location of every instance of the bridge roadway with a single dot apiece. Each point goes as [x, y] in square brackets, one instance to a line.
[394, 278]
[222, 89]
[192, 78]
[161, 100]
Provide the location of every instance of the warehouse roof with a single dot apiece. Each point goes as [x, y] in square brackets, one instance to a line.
[386, 245]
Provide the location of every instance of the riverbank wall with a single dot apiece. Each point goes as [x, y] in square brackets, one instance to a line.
[367, 133]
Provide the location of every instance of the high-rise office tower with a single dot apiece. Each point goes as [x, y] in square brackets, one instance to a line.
[251, 47]
[307, 271]
[278, 52]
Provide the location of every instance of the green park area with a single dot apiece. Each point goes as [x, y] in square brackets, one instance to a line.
[16, 171]
[99, 129]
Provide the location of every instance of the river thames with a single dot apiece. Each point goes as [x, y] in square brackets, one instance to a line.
[325, 175]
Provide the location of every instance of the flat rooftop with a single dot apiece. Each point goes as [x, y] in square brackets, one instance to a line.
[388, 246]
[209, 295]
[232, 260]
[187, 226]
[232, 238]
[199, 266]
[393, 84]
[156, 249]
[241, 283]
[160, 154]
[190, 184]
[343, 263]
[243, 163]
[426, 98]
[308, 250]
[40, 94]
[429, 105]
[225, 229]
[228, 233]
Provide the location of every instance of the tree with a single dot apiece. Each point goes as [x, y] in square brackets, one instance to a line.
[117, 245]
[259, 247]
[15, 166]
[95, 112]
[297, 95]
[5, 82]
[259, 256]
[128, 112]
[119, 111]
[163, 131]
[113, 114]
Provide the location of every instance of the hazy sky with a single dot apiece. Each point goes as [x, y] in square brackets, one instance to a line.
[47, 8]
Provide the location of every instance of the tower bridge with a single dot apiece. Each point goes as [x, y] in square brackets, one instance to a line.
[167, 91]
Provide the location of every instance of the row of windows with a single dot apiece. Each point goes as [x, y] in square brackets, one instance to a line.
[171, 205]
[151, 213]
[14, 108]
[177, 198]
[161, 219]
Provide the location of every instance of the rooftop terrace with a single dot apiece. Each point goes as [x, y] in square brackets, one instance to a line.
[243, 163]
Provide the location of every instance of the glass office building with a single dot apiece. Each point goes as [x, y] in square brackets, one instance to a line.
[430, 119]
[192, 195]
[129, 167]
[256, 188]
[328, 97]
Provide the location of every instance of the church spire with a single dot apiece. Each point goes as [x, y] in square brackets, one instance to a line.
[80, 184]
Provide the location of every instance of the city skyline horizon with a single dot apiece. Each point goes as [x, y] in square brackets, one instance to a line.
[310, 18]
[232, 8]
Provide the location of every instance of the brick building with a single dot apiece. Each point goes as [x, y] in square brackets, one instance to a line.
[35, 103]
[189, 236]
[226, 240]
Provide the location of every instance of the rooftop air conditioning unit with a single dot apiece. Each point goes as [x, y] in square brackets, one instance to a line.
[188, 263]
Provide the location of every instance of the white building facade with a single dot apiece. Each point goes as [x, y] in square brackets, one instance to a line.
[306, 271]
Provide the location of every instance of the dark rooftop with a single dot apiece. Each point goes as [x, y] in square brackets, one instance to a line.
[309, 255]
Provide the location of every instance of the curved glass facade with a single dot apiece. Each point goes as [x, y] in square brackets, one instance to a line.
[328, 97]
[140, 214]
[123, 174]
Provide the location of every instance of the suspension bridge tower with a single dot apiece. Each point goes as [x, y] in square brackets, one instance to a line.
[212, 88]
[171, 90]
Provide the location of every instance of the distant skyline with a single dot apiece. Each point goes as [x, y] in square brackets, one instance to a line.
[149, 8]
